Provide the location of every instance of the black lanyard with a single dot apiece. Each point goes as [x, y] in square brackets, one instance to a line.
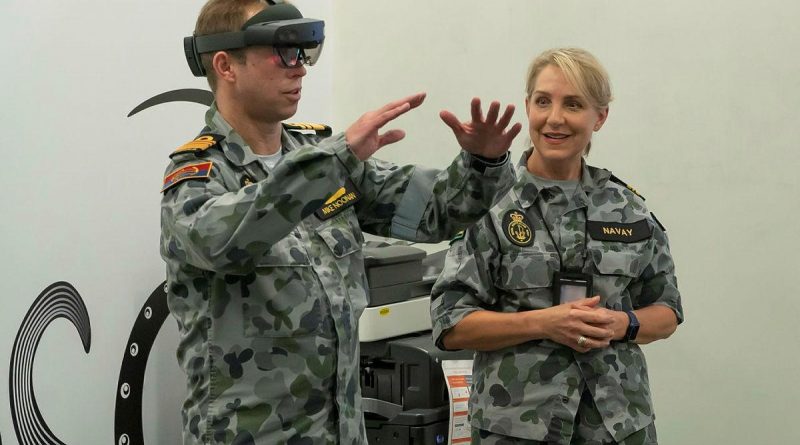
[585, 252]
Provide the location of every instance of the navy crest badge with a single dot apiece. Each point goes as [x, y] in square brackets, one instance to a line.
[517, 228]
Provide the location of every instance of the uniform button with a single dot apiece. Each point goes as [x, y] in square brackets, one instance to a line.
[565, 399]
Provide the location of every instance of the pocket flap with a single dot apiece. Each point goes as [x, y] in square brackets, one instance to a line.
[340, 240]
[625, 263]
[525, 270]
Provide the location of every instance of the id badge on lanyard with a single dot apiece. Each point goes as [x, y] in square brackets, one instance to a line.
[568, 285]
[571, 286]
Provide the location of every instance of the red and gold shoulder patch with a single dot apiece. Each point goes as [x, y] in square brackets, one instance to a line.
[200, 170]
[200, 143]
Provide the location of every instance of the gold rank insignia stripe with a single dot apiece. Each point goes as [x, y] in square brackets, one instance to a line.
[200, 143]
[340, 200]
[517, 228]
[614, 178]
[320, 129]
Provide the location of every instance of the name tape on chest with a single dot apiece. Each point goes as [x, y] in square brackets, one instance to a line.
[622, 232]
[517, 228]
[342, 199]
[200, 170]
[200, 143]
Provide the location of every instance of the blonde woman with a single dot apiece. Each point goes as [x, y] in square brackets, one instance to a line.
[558, 286]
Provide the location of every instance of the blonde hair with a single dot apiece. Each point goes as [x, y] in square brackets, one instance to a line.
[582, 70]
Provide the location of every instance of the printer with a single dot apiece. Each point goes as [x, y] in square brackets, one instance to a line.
[405, 397]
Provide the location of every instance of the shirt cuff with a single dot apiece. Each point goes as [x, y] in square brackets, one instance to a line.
[480, 163]
[346, 156]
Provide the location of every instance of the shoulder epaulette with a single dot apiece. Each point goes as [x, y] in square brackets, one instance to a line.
[198, 144]
[658, 222]
[320, 129]
[622, 183]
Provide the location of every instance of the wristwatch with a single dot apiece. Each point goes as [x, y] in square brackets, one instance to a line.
[633, 327]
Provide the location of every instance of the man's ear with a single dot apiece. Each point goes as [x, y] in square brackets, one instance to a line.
[222, 64]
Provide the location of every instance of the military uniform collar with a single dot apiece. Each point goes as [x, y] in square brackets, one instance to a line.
[527, 190]
[235, 148]
[288, 142]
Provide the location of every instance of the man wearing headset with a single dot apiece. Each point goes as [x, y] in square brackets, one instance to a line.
[262, 231]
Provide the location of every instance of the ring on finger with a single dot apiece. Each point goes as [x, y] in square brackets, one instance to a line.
[582, 341]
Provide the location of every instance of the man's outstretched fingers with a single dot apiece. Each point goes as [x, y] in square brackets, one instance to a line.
[391, 114]
[417, 99]
[390, 137]
[413, 101]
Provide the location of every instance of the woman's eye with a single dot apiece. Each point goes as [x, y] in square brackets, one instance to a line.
[542, 101]
[574, 105]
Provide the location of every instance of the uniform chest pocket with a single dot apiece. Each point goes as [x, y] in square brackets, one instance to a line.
[616, 268]
[287, 252]
[340, 265]
[342, 234]
[619, 248]
[287, 302]
[616, 258]
[525, 270]
[283, 296]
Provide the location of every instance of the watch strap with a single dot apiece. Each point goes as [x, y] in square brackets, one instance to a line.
[633, 326]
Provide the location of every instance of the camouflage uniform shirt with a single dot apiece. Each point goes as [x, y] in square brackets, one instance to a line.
[266, 277]
[532, 390]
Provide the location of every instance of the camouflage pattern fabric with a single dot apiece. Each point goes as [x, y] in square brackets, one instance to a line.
[266, 277]
[533, 390]
[590, 429]
[585, 434]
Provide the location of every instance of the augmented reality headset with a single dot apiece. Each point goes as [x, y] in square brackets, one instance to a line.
[296, 40]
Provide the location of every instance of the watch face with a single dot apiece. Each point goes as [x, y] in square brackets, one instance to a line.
[633, 326]
[634, 330]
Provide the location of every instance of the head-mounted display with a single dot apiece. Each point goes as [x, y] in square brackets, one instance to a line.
[297, 40]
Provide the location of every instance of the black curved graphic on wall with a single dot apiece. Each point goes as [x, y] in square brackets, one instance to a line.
[59, 300]
[202, 97]
[128, 410]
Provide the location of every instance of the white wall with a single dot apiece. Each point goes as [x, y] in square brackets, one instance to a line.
[704, 125]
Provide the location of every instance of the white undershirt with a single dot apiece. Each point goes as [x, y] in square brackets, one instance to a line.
[269, 161]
